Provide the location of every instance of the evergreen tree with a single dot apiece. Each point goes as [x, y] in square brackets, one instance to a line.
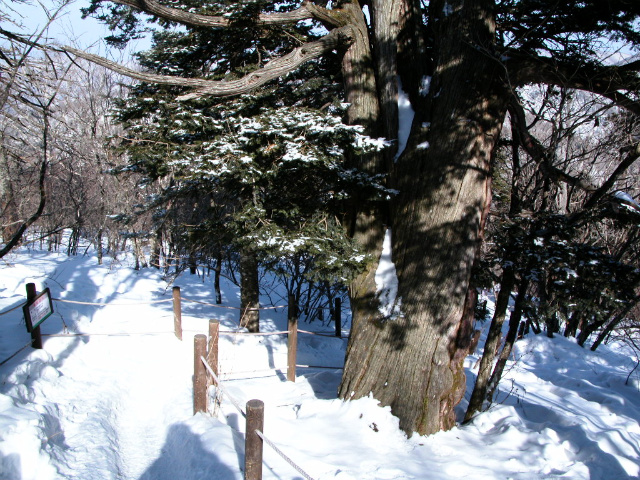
[265, 172]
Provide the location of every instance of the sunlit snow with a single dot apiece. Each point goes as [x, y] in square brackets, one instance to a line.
[405, 119]
[387, 281]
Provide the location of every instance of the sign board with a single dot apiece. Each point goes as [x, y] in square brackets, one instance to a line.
[38, 310]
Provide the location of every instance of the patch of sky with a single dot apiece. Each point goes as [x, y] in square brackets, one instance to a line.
[447, 10]
[626, 197]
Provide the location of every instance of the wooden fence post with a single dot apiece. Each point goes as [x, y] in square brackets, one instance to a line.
[253, 443]
[36, 337]
[199, 374]
[177, 313]
[337, 317]
[212, 350]
[292, 339]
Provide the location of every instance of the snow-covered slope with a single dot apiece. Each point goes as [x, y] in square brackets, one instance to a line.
[115, 402]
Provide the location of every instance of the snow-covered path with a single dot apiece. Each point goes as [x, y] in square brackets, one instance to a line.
[106, 398]
[116, 428]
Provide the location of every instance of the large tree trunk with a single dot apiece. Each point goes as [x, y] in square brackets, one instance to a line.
[412, 362]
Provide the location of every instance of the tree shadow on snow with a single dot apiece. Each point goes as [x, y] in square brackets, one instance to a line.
[601, 464]
[184, 457]
[324, 382]
[10, 468]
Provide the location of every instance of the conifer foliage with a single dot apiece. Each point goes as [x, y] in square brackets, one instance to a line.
[267, 170]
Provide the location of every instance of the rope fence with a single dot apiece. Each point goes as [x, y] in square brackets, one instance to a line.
[219, 385]
[178, 330]
[109, 304]
[206, 353]
[9, 358]
[209, 348]
[230, 307]
[12, 309]
[253, 450]
[279, 452]
[177, 312]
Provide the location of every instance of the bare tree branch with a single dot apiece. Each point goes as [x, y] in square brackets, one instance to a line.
[611, 81]
[633, 153]
[17, 237]
[539, 153]
[275, 68]
[306, 11]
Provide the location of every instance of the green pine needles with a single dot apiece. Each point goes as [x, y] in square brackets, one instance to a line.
[268, 172]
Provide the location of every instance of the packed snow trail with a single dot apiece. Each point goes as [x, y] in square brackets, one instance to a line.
[111, 409]
[107, 394]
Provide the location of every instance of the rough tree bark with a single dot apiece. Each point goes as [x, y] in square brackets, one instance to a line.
[511, 337]
[492, 344]
[412, 362]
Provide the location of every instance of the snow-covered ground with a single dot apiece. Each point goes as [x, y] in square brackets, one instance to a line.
[116, 402]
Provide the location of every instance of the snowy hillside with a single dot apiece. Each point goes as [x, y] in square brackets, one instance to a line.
[116, 402]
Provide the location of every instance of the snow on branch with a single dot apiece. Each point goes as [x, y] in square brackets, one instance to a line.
[277, 67]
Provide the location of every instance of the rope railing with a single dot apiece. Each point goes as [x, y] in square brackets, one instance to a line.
[274, 307]
[198, 383]
[122, 334]
[12, 309]
[262, 436]
[9, 358]
[240, 375]
[221, 387]
[257, 334]
[177, 298]
[319, 334]
[117, 304]
[285, 458]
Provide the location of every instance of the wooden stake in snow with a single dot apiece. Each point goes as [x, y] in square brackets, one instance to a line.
[177, 313]
[212, 350]
[292, 340]
[253, 443]
[199, 374]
